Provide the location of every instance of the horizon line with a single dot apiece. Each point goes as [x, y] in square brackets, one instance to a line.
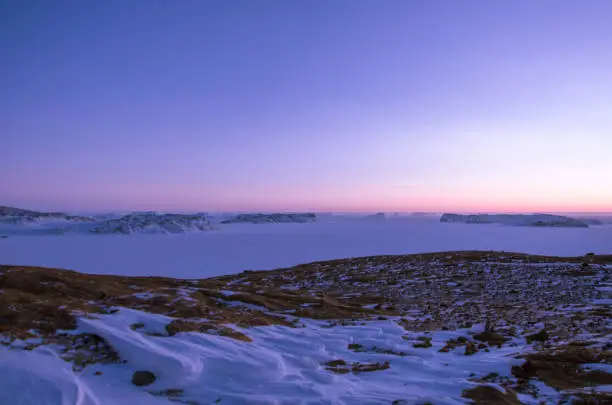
[322, 211]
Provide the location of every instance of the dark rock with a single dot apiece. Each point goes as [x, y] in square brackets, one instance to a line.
[492, 338]
[541, 336]
[142, 378]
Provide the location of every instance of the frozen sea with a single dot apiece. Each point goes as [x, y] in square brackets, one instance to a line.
[236, 247]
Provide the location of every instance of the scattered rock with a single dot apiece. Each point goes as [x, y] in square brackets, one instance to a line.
[85, 349]
[356, 347]
[342, 367]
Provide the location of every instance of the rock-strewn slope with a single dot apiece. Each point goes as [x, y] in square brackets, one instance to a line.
[474, 311]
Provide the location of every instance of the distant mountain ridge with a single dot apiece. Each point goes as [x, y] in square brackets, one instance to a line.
[543, 220]
[12, 215]
[272, 218]
[21, 221]
[148, 222]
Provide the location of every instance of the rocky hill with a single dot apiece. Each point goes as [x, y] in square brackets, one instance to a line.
[153, 223]
[545, 220]
[271, 218]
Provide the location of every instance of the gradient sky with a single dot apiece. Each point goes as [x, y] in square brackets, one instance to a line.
[306, 105]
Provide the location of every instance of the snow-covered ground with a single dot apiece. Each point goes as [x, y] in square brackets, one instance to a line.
[236, 247]
[280, 366]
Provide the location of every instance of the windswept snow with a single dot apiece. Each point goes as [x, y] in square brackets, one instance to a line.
[280, 366]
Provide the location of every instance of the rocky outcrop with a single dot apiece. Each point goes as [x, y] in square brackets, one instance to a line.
[271, 218]
[153, 223]
[545, 220]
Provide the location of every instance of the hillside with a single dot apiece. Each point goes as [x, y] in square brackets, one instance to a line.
[497, 328]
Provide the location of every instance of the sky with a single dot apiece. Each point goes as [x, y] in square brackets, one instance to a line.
[324, 105]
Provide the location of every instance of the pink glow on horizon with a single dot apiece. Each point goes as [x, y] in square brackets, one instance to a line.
[372, 199]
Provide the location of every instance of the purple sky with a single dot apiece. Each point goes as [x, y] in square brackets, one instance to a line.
[319, 105]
